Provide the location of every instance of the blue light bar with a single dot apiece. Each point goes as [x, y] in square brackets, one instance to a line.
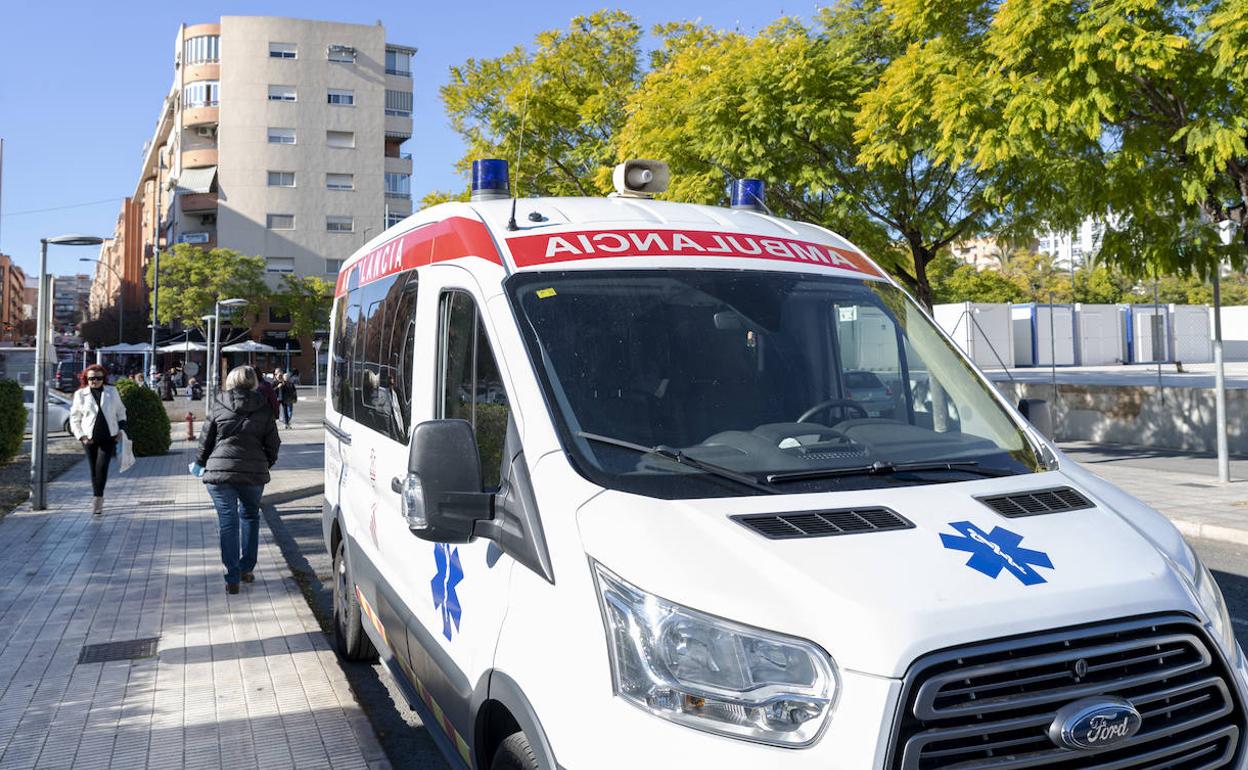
[749, 194]
[489, 179]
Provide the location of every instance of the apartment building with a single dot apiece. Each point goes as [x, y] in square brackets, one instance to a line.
[1073, 247]
[12, 289]
[71, 296]
[279, 138]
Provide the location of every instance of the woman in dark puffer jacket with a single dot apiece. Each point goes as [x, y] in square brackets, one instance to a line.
[237, 446]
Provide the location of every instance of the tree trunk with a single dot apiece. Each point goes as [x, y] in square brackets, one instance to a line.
[923, 288]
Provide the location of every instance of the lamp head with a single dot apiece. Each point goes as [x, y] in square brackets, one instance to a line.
[75, 240]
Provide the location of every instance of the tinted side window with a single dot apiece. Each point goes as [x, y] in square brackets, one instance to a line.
[399, 343]
[471, 387]
[346, 315]
[371, 396]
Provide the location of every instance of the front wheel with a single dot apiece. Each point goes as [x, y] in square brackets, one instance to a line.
[515, 753]
[350, 641]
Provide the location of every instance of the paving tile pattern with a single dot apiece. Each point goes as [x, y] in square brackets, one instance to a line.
[240, 681]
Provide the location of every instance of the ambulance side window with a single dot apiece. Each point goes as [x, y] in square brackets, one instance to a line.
[470, 385]
[347, 311]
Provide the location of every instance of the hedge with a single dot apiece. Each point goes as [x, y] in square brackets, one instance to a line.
[12, 419]
[147, 423]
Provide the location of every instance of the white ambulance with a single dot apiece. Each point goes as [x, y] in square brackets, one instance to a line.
[600, 492]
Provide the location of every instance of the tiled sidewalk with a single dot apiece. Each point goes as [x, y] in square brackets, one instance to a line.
[246, 681]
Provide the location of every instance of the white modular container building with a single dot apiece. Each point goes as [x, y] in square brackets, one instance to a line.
[1191, 334]
[1102, 334]
[983, 330]
[1234, 332]
[1148, 334]
[1044, 335]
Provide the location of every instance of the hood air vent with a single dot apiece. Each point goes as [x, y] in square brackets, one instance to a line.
[1039, 502]
[845, 521]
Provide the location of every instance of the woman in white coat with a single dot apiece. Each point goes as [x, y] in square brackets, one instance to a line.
[93, 401]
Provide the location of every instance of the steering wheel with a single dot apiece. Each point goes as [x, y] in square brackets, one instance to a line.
[832, 403]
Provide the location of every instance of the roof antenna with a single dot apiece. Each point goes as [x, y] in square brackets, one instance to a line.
[515, 184]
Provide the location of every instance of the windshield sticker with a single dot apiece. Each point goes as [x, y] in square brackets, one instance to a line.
[449, 575]
[997, 550]
[547, 248]
[545, 293]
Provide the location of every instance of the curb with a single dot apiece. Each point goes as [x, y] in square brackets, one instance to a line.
[287, 495]
[1205, 531]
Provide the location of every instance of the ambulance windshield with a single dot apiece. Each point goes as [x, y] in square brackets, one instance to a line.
[762, 382]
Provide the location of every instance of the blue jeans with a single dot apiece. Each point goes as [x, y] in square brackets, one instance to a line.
[237, 504]
[288, 411]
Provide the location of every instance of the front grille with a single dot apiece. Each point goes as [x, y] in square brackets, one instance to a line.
[990, 705]
[846, 521]
[1056, 500]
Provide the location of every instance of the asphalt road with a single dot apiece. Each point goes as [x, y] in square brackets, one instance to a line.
[297, 528]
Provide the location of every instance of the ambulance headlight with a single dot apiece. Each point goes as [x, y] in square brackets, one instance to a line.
[712, 674]
[1213, 604]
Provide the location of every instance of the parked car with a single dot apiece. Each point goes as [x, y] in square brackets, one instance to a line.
[65, 376]
[868, 391]
[58, 409]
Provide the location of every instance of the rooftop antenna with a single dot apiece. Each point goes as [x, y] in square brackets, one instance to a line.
[515, 185]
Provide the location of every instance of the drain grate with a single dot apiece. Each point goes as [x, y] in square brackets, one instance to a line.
[155, 502]
[131, 649]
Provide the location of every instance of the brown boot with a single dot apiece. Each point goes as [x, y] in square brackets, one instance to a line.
[97, 505]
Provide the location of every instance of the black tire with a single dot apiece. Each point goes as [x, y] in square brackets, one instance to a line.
[514, 753]
[350, 641]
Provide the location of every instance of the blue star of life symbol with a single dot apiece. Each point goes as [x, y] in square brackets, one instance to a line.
[998, 550]
[449, 575]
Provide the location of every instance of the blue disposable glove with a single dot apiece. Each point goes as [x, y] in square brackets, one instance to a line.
[196, 469]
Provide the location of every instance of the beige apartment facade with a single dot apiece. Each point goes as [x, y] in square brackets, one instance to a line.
[12, 289]
[279, 138]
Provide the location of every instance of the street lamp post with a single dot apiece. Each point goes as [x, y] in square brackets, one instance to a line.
[316, 364]
[39, 436]
[215, 344]
[1226, 230]
[121, 295]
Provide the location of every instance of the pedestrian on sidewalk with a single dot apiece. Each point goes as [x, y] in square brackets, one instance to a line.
[270, 395]
[237, 446]
[93, 401]
[288, 395]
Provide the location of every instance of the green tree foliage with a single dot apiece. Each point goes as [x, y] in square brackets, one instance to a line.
[307, 299]
[192, 279]
[557, 109]
[787, 105]
[12, 419]
[147, 423]
[1137, 107]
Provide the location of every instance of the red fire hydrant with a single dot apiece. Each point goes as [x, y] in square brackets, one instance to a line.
[190, 427]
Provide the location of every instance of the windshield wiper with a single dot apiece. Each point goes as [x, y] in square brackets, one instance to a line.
[881, 467]
[679, 457]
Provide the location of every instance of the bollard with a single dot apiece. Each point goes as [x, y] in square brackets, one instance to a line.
[190, 427]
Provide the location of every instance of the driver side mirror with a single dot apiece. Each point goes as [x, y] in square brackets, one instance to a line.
[442, 497]
[1036, 410]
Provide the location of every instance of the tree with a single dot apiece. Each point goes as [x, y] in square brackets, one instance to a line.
[192, 279]
[555, 112]
[787, 106]
[12, 419]
[1137, 107]
[307, 300]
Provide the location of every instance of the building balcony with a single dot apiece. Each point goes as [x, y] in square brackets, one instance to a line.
[198, 158]
[199, 202]
[399, 165]
[208, 115]
[202, 71]
[398, 127]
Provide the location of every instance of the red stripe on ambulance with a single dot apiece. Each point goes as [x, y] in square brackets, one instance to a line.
[437, 242]
[530, 250]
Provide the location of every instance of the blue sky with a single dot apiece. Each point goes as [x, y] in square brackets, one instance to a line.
[80, 83]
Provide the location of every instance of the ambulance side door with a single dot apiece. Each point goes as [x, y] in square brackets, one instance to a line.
[457, 593]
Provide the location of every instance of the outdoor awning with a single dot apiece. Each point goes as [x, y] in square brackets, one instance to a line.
[183, 347]
[250, 346]
[125, 347]
[197, 180]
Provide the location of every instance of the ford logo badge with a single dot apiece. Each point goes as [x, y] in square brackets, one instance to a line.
[1093, 724]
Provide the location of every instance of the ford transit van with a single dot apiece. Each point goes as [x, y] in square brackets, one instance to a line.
[622, 483]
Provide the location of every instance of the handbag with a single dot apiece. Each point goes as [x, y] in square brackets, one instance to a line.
[126, 455]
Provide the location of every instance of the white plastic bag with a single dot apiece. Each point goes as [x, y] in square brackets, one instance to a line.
[127, 451]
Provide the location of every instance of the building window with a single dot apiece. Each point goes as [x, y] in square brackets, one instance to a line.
[198, 50]
[280, 221]
[283, 51]
[342, 97]
[399, 103]
[340, 139]
[340, 181]
[332, 266]
[398, 63]
[201, 93]
[281, 136]
[398, 185]
[340, 224]
[281, 179]
[342, 53]
[282, 93]
[394, 217]
[279, 265]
